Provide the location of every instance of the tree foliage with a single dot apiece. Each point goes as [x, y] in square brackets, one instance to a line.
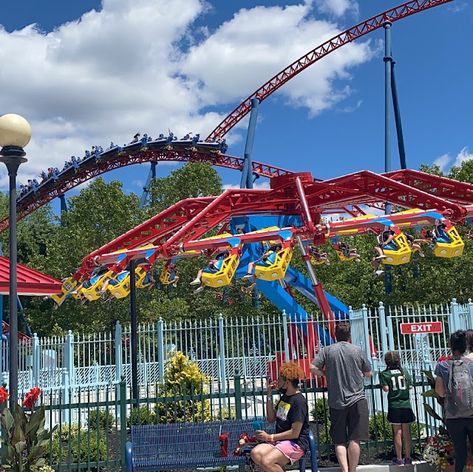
[102, 211]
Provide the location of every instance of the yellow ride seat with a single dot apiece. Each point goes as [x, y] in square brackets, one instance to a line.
[93, 292]
[277, 270]
[225, 274]
[141, 280]
[165, 277]
[343, 257]
[68, 285]
[401, 255]
[315, 261]
[121, 289]
[452, 249]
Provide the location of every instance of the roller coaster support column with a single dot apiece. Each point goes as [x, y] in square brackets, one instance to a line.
[62, 199]
[387, 97]
[149, 180]
[397, 118]
[318, 289]
[387, 132]
[247, 174]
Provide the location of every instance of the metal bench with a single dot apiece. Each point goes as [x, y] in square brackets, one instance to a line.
[165, 447]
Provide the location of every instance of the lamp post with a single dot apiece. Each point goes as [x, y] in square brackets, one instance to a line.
[15, 134]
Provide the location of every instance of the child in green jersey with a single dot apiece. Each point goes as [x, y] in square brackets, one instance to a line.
[396, 381]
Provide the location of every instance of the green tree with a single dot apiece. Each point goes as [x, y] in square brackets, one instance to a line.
[191, 180]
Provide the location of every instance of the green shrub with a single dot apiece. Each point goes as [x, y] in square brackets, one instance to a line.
[381, 430]
[320, 412]
[322, 433]
[183, 378]
[379, 427]
[142, 415]
[78, 445]
[101, 420]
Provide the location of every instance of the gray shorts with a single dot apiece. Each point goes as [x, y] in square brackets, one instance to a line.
[350, 423]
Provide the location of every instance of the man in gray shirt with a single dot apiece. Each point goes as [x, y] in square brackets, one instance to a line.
[345, 365]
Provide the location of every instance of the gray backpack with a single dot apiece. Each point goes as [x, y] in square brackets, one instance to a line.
[459, 399]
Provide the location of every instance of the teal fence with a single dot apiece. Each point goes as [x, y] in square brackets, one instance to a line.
[222, 345]
[92, 432]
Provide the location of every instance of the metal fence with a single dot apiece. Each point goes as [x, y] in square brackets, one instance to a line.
[221, 346]
[92, 430]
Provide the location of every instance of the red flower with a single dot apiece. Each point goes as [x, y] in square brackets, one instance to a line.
[3, 395]
[31, 397]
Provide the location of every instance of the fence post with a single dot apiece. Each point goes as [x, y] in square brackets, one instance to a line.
[389, 321]
[36, 361]
[123, 432]
[221, 356]
[118, 352]
[68, 369]
[383, 328]
[366, 333]
[237, 381]
[160, 350]
[470, 314]
[285, 335]
[453, 316]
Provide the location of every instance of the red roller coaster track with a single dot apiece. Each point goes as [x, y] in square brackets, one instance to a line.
[175, 152]
[349, 35]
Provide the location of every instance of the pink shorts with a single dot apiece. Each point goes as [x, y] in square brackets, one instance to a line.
[290, 449]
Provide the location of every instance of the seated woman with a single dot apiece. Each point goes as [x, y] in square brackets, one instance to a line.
[268, 258]
[291, 439]
[348, 251]
[385, 241]
[440, 234]
[170, 268]
[415, 244]
[213, 267]
[320, 257]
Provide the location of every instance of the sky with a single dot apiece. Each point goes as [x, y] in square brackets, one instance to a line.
[89, 72]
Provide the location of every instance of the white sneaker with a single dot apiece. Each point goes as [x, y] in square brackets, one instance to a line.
[381, 257]
[379, 272]
[247, 276]
[195, 282]
[199, 289]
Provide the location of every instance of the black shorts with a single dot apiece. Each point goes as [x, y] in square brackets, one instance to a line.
[401, 415]
[350, 423]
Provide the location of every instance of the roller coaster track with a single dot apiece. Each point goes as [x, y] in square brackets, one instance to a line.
[389, 16]
[108, 161]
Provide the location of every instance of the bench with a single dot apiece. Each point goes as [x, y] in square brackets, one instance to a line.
[165, 447]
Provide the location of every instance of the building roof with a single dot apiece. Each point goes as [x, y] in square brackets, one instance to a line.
[30, 281]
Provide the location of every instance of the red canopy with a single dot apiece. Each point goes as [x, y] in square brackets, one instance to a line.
[30, 282]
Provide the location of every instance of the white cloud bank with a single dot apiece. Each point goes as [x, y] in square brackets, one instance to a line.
[127, 68]
[445, 161]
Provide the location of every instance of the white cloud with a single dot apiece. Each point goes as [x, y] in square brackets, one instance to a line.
[127, 69]
[337, 7]
[462, 156]
[249, 49]
[443, 162]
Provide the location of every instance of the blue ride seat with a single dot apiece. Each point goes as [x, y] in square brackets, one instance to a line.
[165, 447]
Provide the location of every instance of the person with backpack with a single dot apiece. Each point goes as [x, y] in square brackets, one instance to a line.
[454, 382]
[396, 381]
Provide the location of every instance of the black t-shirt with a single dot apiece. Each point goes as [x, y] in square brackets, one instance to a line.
[291, 409]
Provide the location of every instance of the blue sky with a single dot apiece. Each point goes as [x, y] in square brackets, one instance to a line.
[89, 72]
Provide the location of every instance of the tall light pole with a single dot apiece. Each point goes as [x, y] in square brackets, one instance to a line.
[15, 134]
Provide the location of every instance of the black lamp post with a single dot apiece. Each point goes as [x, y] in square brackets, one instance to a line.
[15, 134]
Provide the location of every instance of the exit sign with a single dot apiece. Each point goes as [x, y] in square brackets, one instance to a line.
[419, 328]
